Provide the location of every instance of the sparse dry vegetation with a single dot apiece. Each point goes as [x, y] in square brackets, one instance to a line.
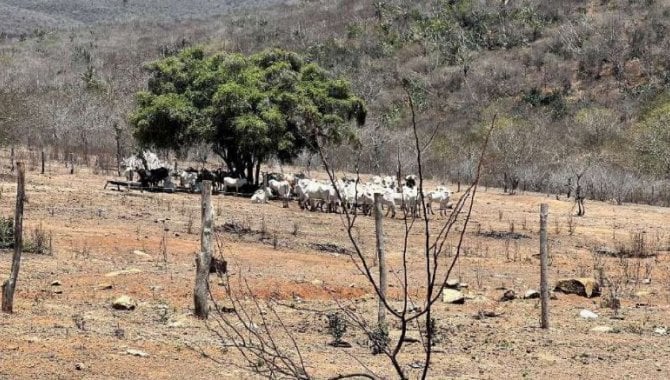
[579, 92]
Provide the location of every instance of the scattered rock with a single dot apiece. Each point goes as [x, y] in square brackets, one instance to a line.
[340, 344]
[181, 322]
[486, 314]
[453, 296]
[531, 294]
[58, 291]
[607, 251]
[55, 283]
[643, 293]
[123, 272]
[588, 314]
[586, 287]
[646, 281]
[409, 339]
[603, 329]
[104, 286]
[226, 309]
[124, 303]
[137, 252]
[452, 283]
[661, 331]
[463, 285]
[79, 366]
[509, 295]
[134, 352]
[317, 282]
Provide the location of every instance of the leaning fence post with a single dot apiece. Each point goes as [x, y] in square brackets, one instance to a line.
[9, 285]
[544, 289]
[381, 259]
[204, 258]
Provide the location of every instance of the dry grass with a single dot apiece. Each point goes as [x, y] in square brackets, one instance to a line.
[50, 333]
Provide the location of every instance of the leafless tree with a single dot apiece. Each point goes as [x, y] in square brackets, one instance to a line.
[248, 329]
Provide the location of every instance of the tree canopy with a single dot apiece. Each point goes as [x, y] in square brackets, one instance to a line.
[249, 108]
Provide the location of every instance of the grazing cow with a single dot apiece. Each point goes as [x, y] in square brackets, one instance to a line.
[153, 177]
[233, 182]
[440, 195]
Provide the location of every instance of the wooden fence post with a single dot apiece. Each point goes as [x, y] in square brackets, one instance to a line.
[43, 160]
[12, 159]
[544, 289]
[204, 258]
[71, 163]
[9, 285]
[381, 259]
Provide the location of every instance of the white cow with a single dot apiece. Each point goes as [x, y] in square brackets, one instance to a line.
[261, 195]
[283, 190]
[442, 196]
[233, 182]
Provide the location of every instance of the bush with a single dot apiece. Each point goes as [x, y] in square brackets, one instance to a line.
[39, 242]
[6, 232]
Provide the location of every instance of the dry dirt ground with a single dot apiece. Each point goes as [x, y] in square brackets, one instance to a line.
[71, 330]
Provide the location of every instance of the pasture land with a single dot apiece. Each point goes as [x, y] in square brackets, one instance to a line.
[57, 329]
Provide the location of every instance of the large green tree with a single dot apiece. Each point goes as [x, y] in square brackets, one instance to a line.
[249, 108]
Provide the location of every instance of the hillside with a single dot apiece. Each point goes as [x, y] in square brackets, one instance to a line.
[576, 86]
[21, 17]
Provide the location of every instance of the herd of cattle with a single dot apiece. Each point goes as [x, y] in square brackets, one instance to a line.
[311, 194]
[351, 195]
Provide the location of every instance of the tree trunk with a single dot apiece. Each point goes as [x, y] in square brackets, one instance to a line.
[250, 171]
[258, 171]
[9, 285]
[204, 258]
[544, 288]
[381, 259]
[117, 137]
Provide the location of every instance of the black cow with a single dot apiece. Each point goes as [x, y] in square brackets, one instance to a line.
[153, 177]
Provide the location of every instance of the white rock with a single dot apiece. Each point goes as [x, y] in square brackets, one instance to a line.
[588, 314]
[452, 296]
[134, 352]
[661, 331]
[124, 303]
[122, 272]
[531, 293]
[603, 329]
